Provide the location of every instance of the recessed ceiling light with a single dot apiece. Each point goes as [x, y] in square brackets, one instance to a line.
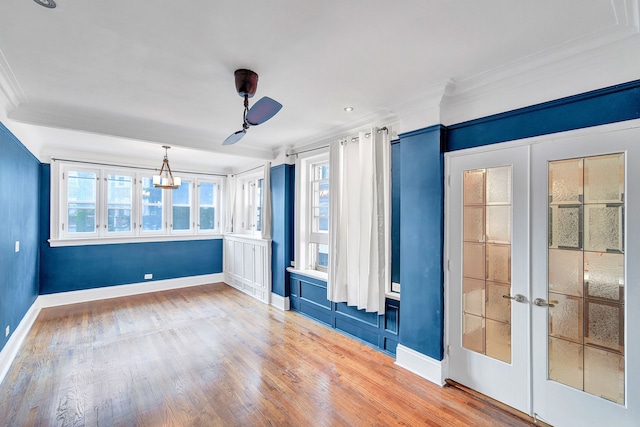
[46, 3]
[347, 109]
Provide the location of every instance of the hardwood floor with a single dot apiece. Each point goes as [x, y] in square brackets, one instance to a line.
[212, 356]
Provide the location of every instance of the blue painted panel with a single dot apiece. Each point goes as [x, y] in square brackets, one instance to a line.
[282, 227]
[314, 293]
[85, 267]
[294, 286]
[316, 312]
[391, 319]
[613, 104]
[19, 213]
[352, 328]
[370, 318]
[395, 212]
[422, 238]
[390, 345]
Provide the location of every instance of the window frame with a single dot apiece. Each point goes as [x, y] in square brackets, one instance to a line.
[304, 259]
[59, 220]
[217, 197]
[250, 199]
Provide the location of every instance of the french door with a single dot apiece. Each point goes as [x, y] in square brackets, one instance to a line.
[541, 283]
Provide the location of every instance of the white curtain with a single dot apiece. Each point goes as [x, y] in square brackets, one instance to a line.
[230, 205]
[359, 225]
[266, 202]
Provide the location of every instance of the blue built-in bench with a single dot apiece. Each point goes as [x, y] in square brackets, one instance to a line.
[308, 296]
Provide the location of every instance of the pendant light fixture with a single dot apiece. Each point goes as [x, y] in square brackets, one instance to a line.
[165, 178]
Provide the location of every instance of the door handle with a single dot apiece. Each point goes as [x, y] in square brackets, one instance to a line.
[516, 297]
[540, 302]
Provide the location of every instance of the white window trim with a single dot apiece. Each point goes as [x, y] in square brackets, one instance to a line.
[302, 217]
[58, 194]
[246, 212]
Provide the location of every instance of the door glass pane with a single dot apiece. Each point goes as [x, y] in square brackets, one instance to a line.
[487, 262]
[586, 275]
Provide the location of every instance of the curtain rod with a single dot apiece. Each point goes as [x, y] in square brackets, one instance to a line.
[354, 139]
[132, 167]
[248, 170]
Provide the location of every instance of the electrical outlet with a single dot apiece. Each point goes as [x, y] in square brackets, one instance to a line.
[7, 331]
[148, 276]
[17, 245]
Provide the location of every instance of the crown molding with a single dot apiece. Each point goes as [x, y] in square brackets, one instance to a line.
[10, 88]
[602, 59]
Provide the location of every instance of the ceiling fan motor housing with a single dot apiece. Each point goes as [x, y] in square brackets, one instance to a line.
[246, 82]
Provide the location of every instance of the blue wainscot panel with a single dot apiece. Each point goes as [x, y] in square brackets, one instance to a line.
[308, 296]
[84, 267]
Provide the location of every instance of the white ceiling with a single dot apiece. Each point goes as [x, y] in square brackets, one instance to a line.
[120, 78]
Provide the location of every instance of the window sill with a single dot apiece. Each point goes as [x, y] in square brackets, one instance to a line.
[325, 277]
[54, 243]
[310, 273]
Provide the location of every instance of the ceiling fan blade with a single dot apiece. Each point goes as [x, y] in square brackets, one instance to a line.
[234, 137]
[262, 111]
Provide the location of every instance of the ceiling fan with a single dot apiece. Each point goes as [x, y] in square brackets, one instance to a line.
[263, 110]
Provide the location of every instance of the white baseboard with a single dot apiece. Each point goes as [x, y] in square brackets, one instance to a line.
[278, 301]
[10, 349]
[424, 366]
[74, 297]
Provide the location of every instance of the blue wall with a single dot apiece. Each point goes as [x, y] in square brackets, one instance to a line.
[421, 241]
[72, 268]
[612, 104]
[282, 203]
[20, 178]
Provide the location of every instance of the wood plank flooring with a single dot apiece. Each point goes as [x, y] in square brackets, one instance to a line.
[212, 356]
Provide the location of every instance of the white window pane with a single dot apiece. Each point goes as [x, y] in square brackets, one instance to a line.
[119, 203]
[181, 206]
[81, 201]
[82, 217]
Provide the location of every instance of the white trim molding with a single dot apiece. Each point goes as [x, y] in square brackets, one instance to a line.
[280, 302]
[74, 297]
[421, 365]
[10, 350]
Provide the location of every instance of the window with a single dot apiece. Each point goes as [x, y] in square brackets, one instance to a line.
[152, 198]
[313, 173]
[251, 189]
[181, 207]
[81, 202]
[99, 205]
[207, 198]
[119, 203]
[312, 217]
[319, 212]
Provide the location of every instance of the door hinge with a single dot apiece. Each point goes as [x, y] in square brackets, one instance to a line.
[449, 180]
[448, 265]
[447, 349]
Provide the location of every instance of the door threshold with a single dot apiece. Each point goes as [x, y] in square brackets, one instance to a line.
[486, 399]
